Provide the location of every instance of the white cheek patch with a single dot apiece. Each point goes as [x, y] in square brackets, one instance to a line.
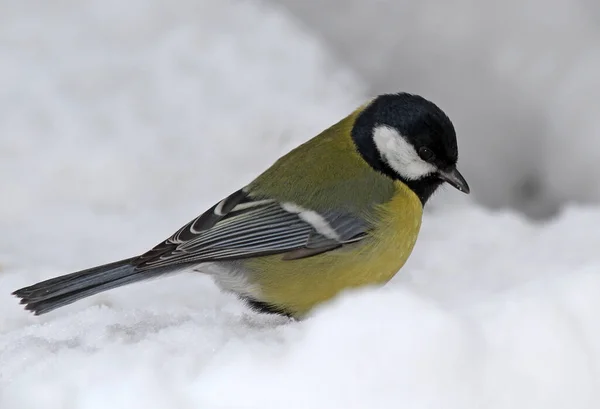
[399, 154]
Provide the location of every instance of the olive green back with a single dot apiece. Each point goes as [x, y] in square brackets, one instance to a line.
[324, 173]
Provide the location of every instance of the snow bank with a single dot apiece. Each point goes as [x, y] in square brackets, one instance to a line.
[121, 121]
[506, 319]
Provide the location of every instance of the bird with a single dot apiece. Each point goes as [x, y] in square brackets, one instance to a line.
[341, 211]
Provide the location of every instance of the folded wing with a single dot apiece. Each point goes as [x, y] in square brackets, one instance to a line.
[241, 227]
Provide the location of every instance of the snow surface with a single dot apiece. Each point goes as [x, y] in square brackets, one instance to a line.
[120, 121]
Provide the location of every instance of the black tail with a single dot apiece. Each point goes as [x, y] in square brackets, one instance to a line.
[57, 292]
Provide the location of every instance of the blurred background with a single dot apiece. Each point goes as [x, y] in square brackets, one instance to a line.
[520, 79]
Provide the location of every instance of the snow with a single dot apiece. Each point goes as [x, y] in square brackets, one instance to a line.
[119, 122]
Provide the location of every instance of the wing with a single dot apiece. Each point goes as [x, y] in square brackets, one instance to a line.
[241, 227]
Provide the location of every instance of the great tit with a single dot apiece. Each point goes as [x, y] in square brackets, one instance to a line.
[343, 210]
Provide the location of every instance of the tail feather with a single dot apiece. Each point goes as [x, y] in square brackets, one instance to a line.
[57, 292]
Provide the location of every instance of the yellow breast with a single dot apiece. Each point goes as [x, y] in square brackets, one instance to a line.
[298, 285]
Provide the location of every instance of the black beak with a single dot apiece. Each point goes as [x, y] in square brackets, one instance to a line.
[453, 177]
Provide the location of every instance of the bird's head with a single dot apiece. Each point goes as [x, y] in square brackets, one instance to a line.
[409, 138]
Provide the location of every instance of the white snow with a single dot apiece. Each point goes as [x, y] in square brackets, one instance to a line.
[120, 121]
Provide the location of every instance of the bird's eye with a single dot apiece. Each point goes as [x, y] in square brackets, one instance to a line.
[426, 154]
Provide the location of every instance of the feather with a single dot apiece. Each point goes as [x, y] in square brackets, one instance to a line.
[240, 227]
